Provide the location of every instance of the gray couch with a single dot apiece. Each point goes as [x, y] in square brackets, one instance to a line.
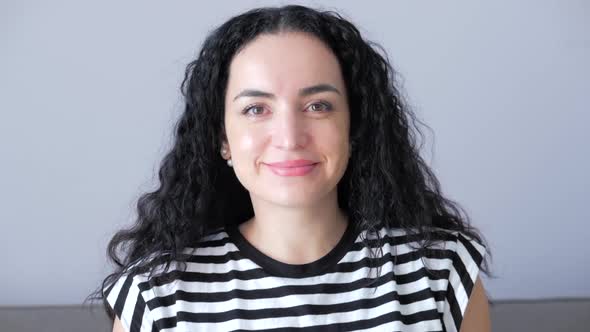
[571, 315]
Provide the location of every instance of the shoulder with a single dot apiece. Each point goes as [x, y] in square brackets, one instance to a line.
[455, 251]
[126, 302]
[136, 299]
[452, 242]
[451, 262]
[455, 243]
[463, 260]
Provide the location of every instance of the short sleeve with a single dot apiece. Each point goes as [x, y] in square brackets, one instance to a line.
[467, 258]
[126, 301]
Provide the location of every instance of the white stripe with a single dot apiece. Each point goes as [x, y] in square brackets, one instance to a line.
[271, 282]
[312, 320]
[293, 300]
[129, 306]
[147, 322]
[448, 319]
[302, 299]
[429, 325]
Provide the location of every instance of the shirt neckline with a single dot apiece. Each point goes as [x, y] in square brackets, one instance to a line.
[282, 269]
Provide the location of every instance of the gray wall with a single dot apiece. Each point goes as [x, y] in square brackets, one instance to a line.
[89, 94]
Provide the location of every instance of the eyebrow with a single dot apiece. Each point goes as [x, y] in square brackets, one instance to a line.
[302, 92]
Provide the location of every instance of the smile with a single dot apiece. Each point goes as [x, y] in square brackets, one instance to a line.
[292, 171]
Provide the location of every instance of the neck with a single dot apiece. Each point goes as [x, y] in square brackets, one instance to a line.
[295, 235]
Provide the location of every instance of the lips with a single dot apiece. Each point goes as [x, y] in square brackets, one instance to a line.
[292, 163]
[292, 167]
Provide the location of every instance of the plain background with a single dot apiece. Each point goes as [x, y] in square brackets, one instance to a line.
[89, 92]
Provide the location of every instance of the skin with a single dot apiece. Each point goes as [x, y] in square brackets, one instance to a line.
[117, 326]
[477, 314]
[297, 219]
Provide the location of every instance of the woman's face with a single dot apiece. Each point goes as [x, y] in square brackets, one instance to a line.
[286, 100]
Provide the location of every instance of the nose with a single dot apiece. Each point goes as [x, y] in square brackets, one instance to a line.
[290, 129]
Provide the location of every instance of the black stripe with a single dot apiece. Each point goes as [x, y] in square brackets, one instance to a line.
[281, 269]
[306, 309]
[362, 324]
[373, 243]
[214, 243]
[109, 288]
[466, 281]
[138, 311]
[236, 255]
[303, 310]
[454, 307]
[180, 295]
[473, 253]
[122, 296]
[462, 272]
[260, 273]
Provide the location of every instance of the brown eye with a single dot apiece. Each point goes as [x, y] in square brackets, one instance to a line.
[319, 107]
[255, 108]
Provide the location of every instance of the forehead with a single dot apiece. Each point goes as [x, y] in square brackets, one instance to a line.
[284, 62]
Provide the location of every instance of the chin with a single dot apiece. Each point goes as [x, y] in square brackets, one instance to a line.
[294, 197]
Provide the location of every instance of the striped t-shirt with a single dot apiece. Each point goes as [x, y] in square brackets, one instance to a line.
[229, 285]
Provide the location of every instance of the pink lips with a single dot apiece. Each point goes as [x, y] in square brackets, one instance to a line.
[292, 167]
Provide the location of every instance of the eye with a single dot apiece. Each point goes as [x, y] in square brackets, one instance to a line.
[255, 108]
[320, 107]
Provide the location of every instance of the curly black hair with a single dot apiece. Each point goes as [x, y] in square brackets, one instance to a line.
[386, 183]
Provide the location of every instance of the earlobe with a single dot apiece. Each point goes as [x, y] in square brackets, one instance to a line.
[224, 149]
[225, 154]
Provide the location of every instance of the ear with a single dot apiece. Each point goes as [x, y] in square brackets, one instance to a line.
[223, 139]
[224, 150]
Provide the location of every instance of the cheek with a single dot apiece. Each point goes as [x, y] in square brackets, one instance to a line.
[246, 144]
[335, 136]
[241, 137]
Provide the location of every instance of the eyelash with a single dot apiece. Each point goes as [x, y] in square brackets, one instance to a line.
[327, 108]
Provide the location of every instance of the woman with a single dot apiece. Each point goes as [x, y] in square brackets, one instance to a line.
[294, 197]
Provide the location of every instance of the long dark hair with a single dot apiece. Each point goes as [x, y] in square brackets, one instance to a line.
[387, 183]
